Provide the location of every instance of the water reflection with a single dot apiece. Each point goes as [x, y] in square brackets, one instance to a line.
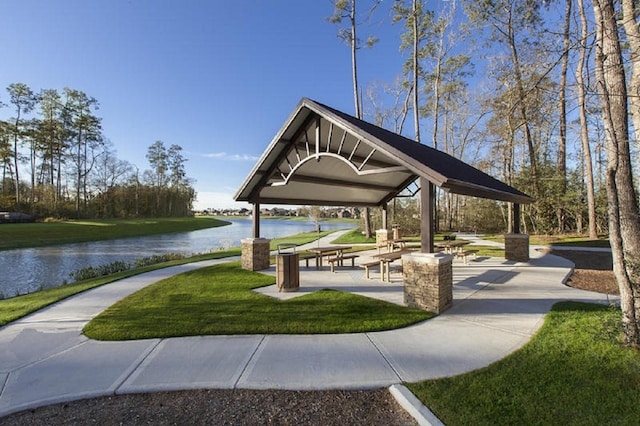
[27, 270]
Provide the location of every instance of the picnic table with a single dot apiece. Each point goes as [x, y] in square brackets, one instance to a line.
[452, 246]
[327, 250]
[385, 260]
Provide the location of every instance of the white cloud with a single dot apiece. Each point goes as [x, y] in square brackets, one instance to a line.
[232, 157]
[217, 200]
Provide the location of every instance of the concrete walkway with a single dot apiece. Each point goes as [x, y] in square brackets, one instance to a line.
[498, 306]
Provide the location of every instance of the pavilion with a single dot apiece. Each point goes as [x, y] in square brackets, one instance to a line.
[322, 156]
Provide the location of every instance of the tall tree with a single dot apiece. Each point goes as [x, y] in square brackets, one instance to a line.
[159, 161]
[346, 9]
[584, 125]
[624, 218]
[506, 20]
[630, 20]
[562, 100]
[23, 100]
[417, 21]
[85, 132]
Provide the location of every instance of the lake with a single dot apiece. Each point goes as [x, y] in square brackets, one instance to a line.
[28, 270]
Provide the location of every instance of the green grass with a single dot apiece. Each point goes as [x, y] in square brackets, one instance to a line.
[489, 251]
[299, 239]
[558, 240]
[355, 237]
[573, 372]
[17, 307]
[219, 300]
[21, 235]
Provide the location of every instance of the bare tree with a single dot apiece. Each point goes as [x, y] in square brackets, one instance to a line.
[562, 100]
[624, 218]
[346, 9]
[584, 130]
[630, 12]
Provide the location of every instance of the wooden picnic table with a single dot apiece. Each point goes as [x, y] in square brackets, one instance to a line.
[451, 246]
[326, 250]
[385, 262]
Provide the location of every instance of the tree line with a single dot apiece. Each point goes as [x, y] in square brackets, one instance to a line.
[544, 95]
[508, 86]
[56, 162]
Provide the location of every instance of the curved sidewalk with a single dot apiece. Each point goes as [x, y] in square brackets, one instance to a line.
[498, 306]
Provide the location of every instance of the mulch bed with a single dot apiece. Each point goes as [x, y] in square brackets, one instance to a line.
[593, 270]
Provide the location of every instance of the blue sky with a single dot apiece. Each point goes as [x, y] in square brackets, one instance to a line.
[218, 78]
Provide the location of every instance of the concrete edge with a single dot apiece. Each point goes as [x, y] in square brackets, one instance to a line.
[414, 406]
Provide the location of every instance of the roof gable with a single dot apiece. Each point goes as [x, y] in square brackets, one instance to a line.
[322, 156]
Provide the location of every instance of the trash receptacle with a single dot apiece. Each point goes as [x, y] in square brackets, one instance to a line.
[287, 272]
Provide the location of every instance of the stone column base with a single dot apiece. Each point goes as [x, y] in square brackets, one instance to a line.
[428, 281]
[255, 254]
[516, 247]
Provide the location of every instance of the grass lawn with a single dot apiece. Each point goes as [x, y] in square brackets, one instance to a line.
[356, 237]
[558, 240]
[17, 307]
[574, 371]
[299, 239]
[20, 235]
[219, 300]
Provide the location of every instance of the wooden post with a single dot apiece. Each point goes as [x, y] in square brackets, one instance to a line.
[516, 218]
[256, 220]
[384, 216]
[426, 215]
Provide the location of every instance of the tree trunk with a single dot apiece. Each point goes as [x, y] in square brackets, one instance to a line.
[523, 109]
[16, 156]
[633, 40]
[624, 220]
[354, 62]
[562, 145]
[584, 131]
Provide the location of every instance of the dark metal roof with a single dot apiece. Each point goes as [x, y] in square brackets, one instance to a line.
[322, 156]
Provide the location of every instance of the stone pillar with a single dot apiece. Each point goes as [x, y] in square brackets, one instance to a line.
[255, 254]
[428, 281]
[382, 238]
[516, 247]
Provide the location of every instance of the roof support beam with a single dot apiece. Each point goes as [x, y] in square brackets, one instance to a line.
[516, 218]
[427, 210]
[318, 136]
[307, 202]
[255, 225]
[329, 137]
[341, 183]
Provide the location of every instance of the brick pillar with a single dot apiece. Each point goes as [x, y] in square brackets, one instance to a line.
[255, 254]
[428, 281]
[516, 247]
[382, 236]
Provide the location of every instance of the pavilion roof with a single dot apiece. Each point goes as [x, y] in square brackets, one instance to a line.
[322, 156]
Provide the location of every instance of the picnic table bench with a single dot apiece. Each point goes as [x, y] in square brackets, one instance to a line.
[340, 260]
[466, 253]
[320, 252]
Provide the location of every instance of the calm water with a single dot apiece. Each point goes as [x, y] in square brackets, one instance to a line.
[28, 270]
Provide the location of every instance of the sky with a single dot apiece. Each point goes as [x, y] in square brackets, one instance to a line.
[219, 78]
